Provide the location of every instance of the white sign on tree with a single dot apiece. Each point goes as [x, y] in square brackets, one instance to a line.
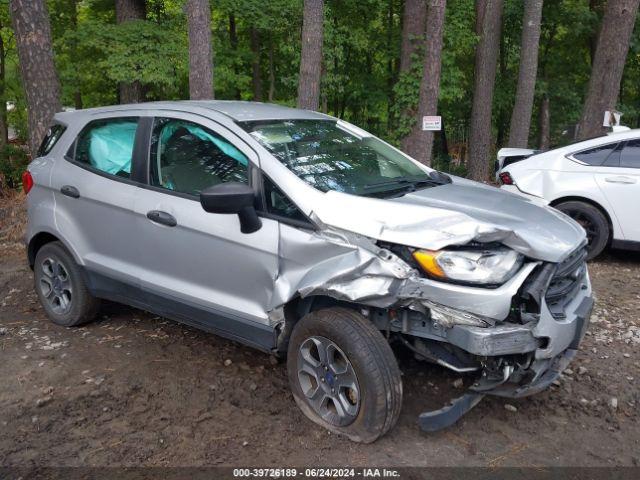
[432, 123]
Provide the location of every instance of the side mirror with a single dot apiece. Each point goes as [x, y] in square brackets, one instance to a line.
[235, 198]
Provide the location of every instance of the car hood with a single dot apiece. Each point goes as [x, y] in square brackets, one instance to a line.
[455, 214]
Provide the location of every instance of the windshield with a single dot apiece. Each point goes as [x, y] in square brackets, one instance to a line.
[329, 156]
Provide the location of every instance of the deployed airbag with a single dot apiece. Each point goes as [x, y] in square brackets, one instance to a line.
[111, 146]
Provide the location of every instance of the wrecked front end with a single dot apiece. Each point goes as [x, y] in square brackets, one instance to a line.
[518, 356]
[514, 338]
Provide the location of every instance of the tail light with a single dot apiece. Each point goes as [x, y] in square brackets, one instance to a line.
[27, 181]
[505, 178]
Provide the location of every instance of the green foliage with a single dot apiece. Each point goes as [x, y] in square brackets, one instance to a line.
[361, 81]
[13, 161]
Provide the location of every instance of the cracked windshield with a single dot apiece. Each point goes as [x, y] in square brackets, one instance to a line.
[328, 156]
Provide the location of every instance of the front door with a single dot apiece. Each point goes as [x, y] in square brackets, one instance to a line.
[620, 183]
[196, 265]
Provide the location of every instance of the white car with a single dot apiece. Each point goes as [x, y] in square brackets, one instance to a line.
[596, 182]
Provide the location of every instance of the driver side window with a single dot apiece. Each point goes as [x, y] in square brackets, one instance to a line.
[187, 157]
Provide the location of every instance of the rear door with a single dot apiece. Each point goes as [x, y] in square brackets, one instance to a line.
[198, 265]
[619, 180]
[94, 188]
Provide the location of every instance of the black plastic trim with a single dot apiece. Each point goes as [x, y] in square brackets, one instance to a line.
[253, 334]
[626, 245]
[140, 163]
[263, 209]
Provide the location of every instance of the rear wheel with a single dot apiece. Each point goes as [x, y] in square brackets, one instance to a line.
[593, 221]
[343, 374]
[61, 288]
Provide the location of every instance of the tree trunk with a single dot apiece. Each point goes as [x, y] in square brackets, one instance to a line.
[413, 41]
[128, 10]
[233, 41]
[544, 127]
[608, 65]
[481, 7]
[413, 31]
[311, 56]
[256, 74]
[200, 53]
[419, 143]
[32, 29]
[521, 115]
[4, 124]
[596, 7]
[73, 47]
[484, 82]
[501, 113]
[272, 73]
[233, 33]
[391, 64]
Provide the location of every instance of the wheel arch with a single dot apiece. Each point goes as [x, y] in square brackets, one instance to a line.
[298, 307]
[603, 210]
[39, 240]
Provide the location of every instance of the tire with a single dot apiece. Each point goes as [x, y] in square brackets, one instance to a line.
[593, 221]
[60, 287]
[356, 350]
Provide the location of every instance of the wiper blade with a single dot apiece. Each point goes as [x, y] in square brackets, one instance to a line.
[434, 178]
[400, 181]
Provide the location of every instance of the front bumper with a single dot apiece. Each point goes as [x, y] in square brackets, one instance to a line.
[521, 360]
[535, 379]
[548, 337]
[542, 372]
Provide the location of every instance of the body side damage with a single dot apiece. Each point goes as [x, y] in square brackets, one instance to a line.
[351, 267]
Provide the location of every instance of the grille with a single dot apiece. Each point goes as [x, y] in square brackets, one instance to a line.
[565, 282]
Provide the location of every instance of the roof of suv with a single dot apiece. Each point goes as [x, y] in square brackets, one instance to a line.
[235, 109]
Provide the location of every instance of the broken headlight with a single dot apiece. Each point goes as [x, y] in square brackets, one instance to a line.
[482, 266]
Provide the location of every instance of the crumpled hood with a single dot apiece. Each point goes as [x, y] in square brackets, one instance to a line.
[455, 214]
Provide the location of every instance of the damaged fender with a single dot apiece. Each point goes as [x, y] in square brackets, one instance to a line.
[351, 267]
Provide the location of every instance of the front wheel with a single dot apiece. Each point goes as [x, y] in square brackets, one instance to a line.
[343, 374]
[593, 221]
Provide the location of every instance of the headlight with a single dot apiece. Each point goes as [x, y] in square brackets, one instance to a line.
[483, 267]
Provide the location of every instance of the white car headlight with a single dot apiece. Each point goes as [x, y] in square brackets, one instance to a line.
[481, 266]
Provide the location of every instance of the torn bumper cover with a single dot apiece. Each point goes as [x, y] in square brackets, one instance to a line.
[543, 371]
[516, 382]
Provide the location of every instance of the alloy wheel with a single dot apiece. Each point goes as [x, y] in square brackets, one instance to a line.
[585, 222]
[328, 381]
[55, 285]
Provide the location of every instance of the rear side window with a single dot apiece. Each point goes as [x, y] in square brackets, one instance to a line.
[107, 145]
[630, 157]
[595, 156]
[50, 139]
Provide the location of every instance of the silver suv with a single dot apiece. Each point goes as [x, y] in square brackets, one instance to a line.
[308, 238]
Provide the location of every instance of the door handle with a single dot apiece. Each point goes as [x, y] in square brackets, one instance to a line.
[70, 191]
[621, 179]
[162, 218]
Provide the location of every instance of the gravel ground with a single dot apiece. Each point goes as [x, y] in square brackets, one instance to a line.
[132, 389]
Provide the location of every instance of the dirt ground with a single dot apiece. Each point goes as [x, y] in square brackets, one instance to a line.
[132, 389]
